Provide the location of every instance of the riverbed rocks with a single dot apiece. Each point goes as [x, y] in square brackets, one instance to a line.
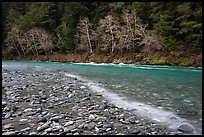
[50, 103]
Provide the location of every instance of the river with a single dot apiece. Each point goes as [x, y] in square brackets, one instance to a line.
[169, 95]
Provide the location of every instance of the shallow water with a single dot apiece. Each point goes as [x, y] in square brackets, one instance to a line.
[162, 92]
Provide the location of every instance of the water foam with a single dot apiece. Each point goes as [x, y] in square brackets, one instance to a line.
[165, 118]
[148, 67]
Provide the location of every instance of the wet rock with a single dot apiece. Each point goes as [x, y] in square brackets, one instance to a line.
[187, 128]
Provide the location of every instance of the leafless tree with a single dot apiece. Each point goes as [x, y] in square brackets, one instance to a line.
[40, 40]
[133, 30]
[109, 30]
[13, 40]
[85, 35]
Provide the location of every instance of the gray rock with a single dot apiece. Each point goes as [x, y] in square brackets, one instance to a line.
[69, 123]
[8, 114]
[9, 133]
[87, 132]
[43, 127]
[187, 128]
[48, 130]
[4, 103]
[131, 119]
[43, 119]
[74, 130]
[90, 125]
[56, 118]
[33, 133]
[68, 129]
[82, 87]
[100, 118]
[28, 109]
[135, 131]
[23, 120]
[124, 122]
[26, 129]
[108, 129]
[8, 126]
[103, 106]
[91, 117]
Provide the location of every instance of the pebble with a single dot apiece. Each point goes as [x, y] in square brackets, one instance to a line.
[42, 120]
[26, 129]
[23, 120]
[90, 126]
[62, 106]
[82, 87]
[69, 123]
[9, 133]
[56, 118]
[8, 126]
[91, 117]
[28, 109]
[44, 126]
[7, 115]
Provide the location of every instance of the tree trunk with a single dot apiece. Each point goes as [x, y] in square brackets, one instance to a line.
[112, 39]
[87, 32]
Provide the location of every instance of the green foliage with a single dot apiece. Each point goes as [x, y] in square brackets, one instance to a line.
[143, 11]
[170, 43]
[179, 23]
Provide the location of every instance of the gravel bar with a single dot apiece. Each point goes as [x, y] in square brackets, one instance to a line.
[48, 103]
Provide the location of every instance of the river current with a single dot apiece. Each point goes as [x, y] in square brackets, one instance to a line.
[169, 95]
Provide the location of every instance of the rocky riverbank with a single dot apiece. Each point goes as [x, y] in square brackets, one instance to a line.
[48, 103]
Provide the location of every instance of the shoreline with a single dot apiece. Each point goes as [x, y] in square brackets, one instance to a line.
[48, 103]
[130, 59]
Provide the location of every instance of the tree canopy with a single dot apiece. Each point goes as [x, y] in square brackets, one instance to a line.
[66, 27]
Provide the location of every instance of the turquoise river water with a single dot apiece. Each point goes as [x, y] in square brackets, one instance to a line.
[169, 95]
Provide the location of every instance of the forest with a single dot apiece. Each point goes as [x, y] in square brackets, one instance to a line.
[168, 33]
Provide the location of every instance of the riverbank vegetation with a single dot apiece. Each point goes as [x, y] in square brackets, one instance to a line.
[129, 32]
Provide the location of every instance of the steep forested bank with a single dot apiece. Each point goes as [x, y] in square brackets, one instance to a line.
[129, 32]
